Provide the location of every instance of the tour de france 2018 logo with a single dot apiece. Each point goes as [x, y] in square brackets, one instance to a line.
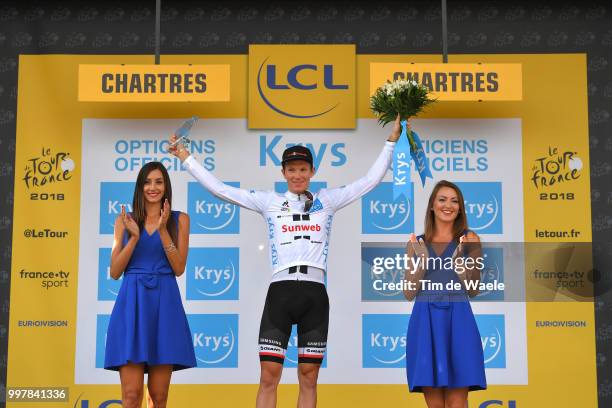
[213, 274]
[556, 168]
[483, 206]
[215, 339]
[384, 340]
[48, 168]
[381, 214]
[209, 214]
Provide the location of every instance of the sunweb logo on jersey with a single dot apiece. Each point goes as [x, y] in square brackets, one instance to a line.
[381, 214]
[493, 337]
[304, 86]
[384, 340]
[212, 273]
[379, 283]
[492, 272]
[101, 329]
[113, 195]
[108, 288]
[209, 214]
[215, 339]
[483, 205]
[291, 356]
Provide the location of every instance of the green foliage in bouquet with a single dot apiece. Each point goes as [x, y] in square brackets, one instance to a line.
[407, 98]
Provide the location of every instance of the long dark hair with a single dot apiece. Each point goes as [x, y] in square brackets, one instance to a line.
[138, 202]
[460, 224]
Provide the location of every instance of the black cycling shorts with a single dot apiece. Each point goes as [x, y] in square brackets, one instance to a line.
[294, 302]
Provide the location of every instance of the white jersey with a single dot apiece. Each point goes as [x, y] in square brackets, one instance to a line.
[297, 237]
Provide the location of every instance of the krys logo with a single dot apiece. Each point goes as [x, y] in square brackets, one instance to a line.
[272, 79]
[209, 214]
[101, 329]
[112, 196]
[493, 272]
[215, 339]
[212, 274]
[380, 214]
[483, 205]
[108, 288]
[272, 149]
[555, 167]
[48, 168]
[384, 340]
[493, 337]
[375, 277]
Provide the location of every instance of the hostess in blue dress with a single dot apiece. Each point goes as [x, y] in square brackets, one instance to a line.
[148, 323]
[443, 345]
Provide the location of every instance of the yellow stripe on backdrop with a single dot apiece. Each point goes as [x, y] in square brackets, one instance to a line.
[553, 113]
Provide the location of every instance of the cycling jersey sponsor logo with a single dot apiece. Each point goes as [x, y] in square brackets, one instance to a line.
[108, 288]
[483, 206]
[101, 329]
[209, 214]
[493, 337]
[375, 286]
[113, 195]
[493, 272]
[213, 274]
[291, 356]
[381, 214]
[215, 339]
[301, 228]
[384, 340]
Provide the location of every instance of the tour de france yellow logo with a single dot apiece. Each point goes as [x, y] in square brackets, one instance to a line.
[309, 86]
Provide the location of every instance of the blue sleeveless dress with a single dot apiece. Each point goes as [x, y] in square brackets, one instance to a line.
[148, 323]
[443, 345]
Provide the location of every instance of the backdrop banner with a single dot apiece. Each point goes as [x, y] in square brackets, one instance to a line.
[523, 167]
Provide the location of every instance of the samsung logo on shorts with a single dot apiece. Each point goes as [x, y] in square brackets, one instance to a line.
[291, 356]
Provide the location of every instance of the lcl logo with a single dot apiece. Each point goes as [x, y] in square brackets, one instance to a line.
[498, 403]
[295, 78]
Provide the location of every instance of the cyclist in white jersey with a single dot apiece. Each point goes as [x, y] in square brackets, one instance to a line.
[299, 226]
